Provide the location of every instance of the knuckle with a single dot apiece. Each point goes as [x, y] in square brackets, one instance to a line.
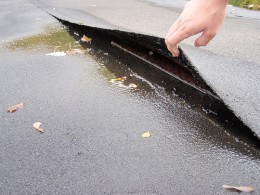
[186, 27]
[187, 32]
[169, 41]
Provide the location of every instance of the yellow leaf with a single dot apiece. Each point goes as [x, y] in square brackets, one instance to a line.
[146, 134]
[239, 188]
[118, 79]
[15, 107]
[86, 39]
[37, 126]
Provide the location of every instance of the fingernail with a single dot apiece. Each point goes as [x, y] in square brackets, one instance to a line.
[176, 52]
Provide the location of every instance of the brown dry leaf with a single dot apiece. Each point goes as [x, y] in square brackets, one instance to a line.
[75, 51]
[86, 39]
[15, 107]
[37, 126]
[239, 188]
[146, 134]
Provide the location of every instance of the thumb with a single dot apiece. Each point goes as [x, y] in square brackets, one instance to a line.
[205, 38]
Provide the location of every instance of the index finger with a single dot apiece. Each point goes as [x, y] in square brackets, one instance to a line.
[175, 38]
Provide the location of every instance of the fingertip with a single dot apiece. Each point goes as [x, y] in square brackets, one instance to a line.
[204, 39]
[175, 52]
[201, 42]
[196, 44]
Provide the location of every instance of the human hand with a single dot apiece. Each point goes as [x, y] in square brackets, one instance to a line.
[198, 16]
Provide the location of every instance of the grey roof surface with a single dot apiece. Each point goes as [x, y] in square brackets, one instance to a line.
[230, 64]
[92, 141]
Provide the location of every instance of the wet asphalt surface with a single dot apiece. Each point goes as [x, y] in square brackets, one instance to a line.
[230, 64]
[92, 141]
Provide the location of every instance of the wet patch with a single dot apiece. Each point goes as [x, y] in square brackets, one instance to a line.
[141, 79]
[148, 57]
[94, 122]
[54, 39]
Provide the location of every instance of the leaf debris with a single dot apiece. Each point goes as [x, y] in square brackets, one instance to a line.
[239, 188]
[37, 126]
[76, 51]
[57, 54]
[132, 85]
[12, 109]
[86, 39]
[118, 79]
[146, 134]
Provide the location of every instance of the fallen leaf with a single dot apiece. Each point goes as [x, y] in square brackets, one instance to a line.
[75, 51]
[86, 39]
[58, 54]
[75, 33]
[146, 134]
[37, 126]
[131, 85]
[15, 107]
[118, 79]
[239, 188]
[121, 85]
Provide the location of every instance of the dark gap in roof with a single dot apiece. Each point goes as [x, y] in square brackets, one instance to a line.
[149, 55]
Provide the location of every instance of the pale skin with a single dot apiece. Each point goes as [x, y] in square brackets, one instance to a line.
[198, 16]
